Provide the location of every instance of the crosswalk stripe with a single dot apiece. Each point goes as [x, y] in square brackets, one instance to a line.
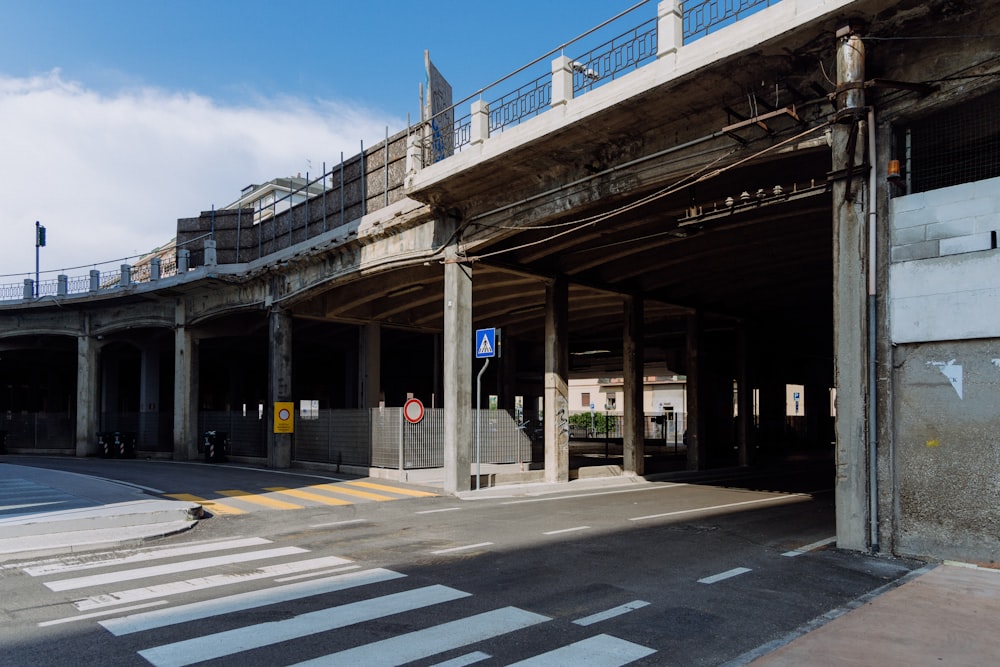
[201, 583]
[260, 499]
[210, 505]
[145, 555]
[464, 660]
[305, 495]
[221, 644]
[599, 651]
[394, 489]
[611, 613]
[402, 649]
[339, 488]
[170, 568]
[197, 611]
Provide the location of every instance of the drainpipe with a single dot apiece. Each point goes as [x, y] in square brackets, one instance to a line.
[872, 370]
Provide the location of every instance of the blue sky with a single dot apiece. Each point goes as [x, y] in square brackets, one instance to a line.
[118, 117]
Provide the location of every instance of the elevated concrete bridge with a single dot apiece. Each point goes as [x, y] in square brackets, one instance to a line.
[708, 211]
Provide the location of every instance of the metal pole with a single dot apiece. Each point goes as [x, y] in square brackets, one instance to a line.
[37, 225]
[479, 382]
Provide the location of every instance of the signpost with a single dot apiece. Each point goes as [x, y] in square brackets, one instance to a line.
[486, 347]
[39, 242]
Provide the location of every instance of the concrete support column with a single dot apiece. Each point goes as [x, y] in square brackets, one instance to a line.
[87, 365]
[562, 81]
[696, 448]
[480, 123]
[149, 395]
[370, 366]
[279, 380]
[850, 276]
[458, 341]
[669, 28]
[557, 380]
[185, 389]
[633, 443]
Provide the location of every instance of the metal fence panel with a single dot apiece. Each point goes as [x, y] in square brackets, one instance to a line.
[423, 443]
[247, 434]
[337, 436]
[39, 430]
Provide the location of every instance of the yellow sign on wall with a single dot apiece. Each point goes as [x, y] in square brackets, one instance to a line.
[284, 417]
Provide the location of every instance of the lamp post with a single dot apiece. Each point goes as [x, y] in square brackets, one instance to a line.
[39, 242]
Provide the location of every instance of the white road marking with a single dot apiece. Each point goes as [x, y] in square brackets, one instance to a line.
[720, 507]
[465, 548]
[171, 552]
[566, 530]
[611, 613]
[658, 487]
[226, 643]
[728, 574]
[599, 651]
[98, 614]
[463, 660]
[197, 611]
[809, 547]
[170, 568]
[446, 509]
[317, 574]
[201, 583]
[338, 523]
[412, 646]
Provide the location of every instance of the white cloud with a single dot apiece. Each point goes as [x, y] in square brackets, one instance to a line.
[108, 175]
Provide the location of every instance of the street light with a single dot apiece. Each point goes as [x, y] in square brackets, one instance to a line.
[39, 242]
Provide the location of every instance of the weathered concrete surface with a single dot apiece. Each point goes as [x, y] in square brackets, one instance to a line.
[947, 455]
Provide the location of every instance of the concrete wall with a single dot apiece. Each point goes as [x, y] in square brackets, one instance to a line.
[944, 289]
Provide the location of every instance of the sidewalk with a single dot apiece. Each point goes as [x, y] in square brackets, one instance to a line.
[45, 512]
[946, 616]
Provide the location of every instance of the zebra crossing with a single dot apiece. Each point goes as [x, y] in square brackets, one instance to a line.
[238, 501]
[279, 595]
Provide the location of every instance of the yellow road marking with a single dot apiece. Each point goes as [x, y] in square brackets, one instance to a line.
[210, 505]
[271, 503]
[393, 489]
[352, 492]
[305, 495]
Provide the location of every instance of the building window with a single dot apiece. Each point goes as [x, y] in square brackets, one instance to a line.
[585, 399]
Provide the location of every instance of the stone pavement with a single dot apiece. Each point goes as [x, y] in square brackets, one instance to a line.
[943, 615]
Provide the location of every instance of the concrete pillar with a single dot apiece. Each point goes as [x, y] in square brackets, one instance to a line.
[480, 122]
[458, 342]
[562, 81]
[95, 280]
[279, 380]
[183, 260]
[149, 396]
[186, 436]
[557, 380]
[850, 301]
[669, 29]
[696, 448]
[87, 364]
[211, 254]
[29, 289]
[62, 285]
[633, 443]
[370, 365]
[125, 275]
[155, 268]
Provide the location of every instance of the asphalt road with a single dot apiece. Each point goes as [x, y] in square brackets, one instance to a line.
[644, 574]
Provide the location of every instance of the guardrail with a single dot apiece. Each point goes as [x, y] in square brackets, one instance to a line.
[442, 135]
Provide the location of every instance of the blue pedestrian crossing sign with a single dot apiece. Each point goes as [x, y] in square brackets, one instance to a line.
[486, 343]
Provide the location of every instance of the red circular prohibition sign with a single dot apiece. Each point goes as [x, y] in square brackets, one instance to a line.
[413, 410]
